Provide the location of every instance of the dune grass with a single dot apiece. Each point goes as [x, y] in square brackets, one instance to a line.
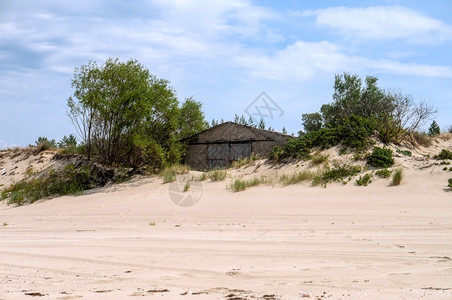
[169, 173]
[397, 177]
[296, 178]
[217, 175]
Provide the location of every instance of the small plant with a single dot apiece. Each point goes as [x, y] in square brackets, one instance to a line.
[238, 185]
[445, 169]
[381, 158]
[5, 224]
[364, 180]
[187, 186]
[383, 173]
[151, 223]
[405, 152]
[397, 177]
[217, 175]
[450, 183]
[169, 173]
[318, 159]
[444, 154]
[445, 163]
[339, 173]
[296, 178]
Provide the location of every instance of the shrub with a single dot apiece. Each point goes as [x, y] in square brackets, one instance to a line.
[383, 173]
[397, 177]
[69, 181]
[364, 180]
[217, 175]
[337, 174]
[381, 158]
[444, 154]
[405, 152]
[42, 146]
[450, 182]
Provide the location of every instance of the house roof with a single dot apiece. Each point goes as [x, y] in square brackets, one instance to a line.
[254, 134]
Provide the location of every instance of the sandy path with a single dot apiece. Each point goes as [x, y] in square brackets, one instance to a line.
[343, 242]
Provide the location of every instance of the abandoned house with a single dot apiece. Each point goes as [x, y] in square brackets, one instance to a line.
[219, 146]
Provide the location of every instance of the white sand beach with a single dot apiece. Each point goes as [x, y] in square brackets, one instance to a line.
[130, 240]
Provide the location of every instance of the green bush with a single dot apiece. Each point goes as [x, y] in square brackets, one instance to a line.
[364, 180]
[383, 173]
[397, 177]
[337, 174]
[381, 158]
[444, 154]
[69, 181]
[450, 183]
[405, 152]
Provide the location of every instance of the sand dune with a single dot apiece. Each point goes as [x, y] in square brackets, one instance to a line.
[340, 242]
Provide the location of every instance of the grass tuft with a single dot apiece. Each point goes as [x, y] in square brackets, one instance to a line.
[296, 178]
[397, 177]
[217, 175]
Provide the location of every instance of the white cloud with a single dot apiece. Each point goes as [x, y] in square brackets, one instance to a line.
[303, 60]
[383, 23]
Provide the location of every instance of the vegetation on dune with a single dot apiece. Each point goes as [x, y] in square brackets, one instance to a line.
[128, 117]
[381, 158]
[70, 180]
[217, 175]
[383, 173]
[450, 183]
[169, 173]
[364, 180]
[444, 154]
[340, 173]
[397, 177]
[434, 129]
[359, 114]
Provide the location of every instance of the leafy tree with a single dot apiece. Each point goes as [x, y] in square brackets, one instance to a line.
[68, 141]
[311, 122]
[127, 116]
[434, 129]
[191, 118]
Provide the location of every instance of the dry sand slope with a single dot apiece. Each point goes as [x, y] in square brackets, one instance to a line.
[131, 240]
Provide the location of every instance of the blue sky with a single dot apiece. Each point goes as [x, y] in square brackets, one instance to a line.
[223, 53]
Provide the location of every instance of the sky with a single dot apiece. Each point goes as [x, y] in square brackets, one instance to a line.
[276, 59]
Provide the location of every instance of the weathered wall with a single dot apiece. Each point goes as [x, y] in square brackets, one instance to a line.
[196, 157]
[264, 148]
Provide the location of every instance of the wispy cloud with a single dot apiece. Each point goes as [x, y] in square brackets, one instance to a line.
[383, 23]
[303, 60]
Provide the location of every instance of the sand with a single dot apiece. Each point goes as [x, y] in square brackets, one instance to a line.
[130, 240]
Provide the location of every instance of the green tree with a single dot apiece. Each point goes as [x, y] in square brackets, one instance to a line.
[434, 129]
[191, 118]
[67, 141]
[125, 115]
[311, 122]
